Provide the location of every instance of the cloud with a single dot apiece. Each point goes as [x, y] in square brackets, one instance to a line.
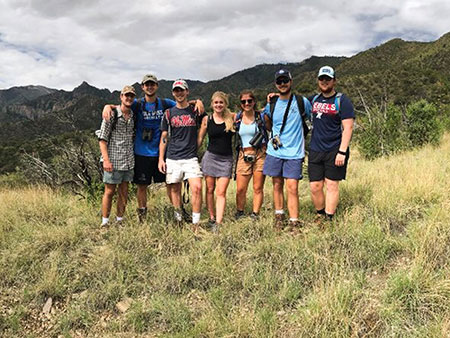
[60, 43]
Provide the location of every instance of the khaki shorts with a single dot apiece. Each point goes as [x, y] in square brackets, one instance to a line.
[247, 168]
[179, 170]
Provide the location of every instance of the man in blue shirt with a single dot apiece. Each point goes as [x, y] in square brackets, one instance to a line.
[286, 149]
[332, 117]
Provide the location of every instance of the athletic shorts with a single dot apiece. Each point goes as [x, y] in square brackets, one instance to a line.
[278, 167]
[321, 165]
[146, 170]
[248, 168]
[179, 170]
[117, 176]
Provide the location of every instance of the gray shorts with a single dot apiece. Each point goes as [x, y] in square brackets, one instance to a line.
[217, 165]
[118, 176]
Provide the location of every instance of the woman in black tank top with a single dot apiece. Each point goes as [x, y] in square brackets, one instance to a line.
[217, 162]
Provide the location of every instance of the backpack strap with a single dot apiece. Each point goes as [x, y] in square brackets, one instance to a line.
[337, 101]
[301, 108]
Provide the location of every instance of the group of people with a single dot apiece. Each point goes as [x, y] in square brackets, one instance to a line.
[153, 140]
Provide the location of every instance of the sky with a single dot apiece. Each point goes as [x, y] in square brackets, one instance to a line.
[110, 43]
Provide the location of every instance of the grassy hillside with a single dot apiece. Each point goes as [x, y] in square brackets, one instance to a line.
[381, 270]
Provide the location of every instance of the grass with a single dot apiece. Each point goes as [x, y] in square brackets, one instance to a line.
[381, 270]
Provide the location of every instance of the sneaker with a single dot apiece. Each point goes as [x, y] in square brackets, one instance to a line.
[319, 219]
[239, 214]
[279, 222]
[254, 216]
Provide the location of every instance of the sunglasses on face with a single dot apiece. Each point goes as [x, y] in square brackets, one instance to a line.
[282, 81]
[325, 78]
[249, 101]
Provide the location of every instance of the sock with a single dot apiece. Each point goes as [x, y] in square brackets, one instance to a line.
[119, 219]
[279, 212]
[105, 220]
[177, 215]
[321, 211]
[329, 216]
[292, 219]
[195, 217]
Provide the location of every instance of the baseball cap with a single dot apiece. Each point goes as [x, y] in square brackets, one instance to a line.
[283, 73]
[149, 77]
[180, 83]
[128, 89]
[327, 71]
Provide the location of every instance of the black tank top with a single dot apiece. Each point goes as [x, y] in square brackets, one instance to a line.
[220, 142]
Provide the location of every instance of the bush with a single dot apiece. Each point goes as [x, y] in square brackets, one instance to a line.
[389, 129]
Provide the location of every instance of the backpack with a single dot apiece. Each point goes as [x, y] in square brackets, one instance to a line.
[114, 119]
[301, 109]
[337, 100]
[259, 119]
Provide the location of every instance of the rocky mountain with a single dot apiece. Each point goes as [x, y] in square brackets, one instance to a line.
[399, 71]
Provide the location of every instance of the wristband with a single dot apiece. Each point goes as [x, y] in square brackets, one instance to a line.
[342, 152]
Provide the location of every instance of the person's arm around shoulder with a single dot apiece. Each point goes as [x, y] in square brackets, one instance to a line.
[202, 131]
[107, 112]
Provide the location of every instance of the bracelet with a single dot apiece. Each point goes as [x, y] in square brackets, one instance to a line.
[342, 152]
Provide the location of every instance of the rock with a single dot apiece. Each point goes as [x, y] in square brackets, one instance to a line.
[124, 304]
[47, 306]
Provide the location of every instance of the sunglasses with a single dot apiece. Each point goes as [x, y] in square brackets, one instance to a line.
[249, 101]
[282, 81]
[325, 78]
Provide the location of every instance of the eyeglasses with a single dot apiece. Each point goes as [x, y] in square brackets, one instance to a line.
[325, 78]
[249, 101]
[282, 81]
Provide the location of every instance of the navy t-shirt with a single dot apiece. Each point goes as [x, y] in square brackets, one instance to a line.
[327, 121]
[183, 133]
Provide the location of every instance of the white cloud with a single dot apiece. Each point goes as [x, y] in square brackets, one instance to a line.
[60, 43]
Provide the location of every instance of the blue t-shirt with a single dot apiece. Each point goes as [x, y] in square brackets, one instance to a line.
[293, 142]
[149, 118]
[327, 121]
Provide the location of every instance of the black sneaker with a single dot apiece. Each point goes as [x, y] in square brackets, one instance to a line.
[239, 214]
[254, 216]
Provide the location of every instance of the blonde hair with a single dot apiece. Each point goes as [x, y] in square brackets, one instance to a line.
[227, 117]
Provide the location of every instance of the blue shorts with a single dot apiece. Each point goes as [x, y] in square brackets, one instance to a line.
[278, 167]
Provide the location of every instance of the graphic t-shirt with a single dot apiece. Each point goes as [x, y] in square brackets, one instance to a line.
[327, 121]
[183, 133]
[293, 142]
[149, 116]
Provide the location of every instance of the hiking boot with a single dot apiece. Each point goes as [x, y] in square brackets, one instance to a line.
[211, 222]
[254, 216]
[295, 227]
[142, 214]
[319, 219]
[279, 222]
[239, 214]
[186, 216]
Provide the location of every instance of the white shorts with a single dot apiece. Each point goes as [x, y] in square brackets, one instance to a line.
[179, 170]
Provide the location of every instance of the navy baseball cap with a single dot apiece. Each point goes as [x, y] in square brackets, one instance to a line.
[283, 73]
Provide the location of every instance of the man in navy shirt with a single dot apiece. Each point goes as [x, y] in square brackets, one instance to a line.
[332, 117]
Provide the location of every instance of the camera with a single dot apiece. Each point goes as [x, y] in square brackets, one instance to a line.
[147, 134]
[249, 158]
[257, 140]
[276, 142]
